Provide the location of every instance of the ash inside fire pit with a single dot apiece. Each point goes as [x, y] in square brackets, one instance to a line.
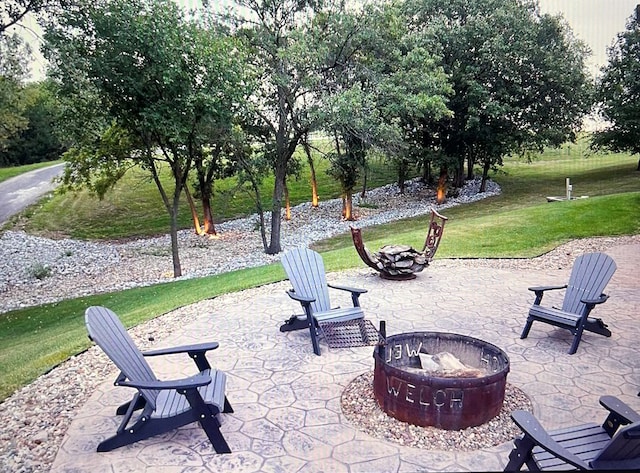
[462, 386]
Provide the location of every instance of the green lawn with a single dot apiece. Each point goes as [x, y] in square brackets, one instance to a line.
[136, 198]
[517, 223]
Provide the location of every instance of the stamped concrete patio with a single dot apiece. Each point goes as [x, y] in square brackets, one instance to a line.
[287, 400]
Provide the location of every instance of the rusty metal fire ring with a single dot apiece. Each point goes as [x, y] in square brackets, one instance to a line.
[451, 403]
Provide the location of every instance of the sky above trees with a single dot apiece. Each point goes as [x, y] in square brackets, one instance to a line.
[597, 22]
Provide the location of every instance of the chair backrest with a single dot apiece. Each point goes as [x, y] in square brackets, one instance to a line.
[106, 330]
[590, 275]
[305, 270]
[624, 445]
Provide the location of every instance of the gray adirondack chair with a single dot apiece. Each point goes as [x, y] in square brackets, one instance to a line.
[590, 274]
[305, 270]
[165, 405]
[613, 445]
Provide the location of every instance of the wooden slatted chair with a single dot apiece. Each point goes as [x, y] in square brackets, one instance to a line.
[613, 445]
[590, 274]
[305, 270]
[166, 405]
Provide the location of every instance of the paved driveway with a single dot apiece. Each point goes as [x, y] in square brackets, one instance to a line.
[287, 400]
[19, 192]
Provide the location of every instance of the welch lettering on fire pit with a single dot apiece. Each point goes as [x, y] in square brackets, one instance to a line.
[465, 390]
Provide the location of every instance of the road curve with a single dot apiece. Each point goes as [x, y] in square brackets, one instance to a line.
[19, 192]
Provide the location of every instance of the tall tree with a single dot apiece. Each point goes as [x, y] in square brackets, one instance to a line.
[287, 63]
[519, 79]
[14, 57]
[375, 80]
[140, 82]
[618, 93]
[38, 141]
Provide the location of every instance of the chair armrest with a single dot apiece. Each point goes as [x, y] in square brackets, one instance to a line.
[297, 297]
[355, 293]
[539, 290]
[599, 300]
[196, 352]
[184, 383]
[200, 347]
[534, 430]
[619, 414]
[546, 288]
[353, 290]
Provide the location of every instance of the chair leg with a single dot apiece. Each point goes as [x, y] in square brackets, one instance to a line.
[138, 403]
[207, 418]
[577, 335]
[211, 427]
[227, 406]
[597, 326]
[527, 327]
[313, 331]
[142, 429]
[521, 454]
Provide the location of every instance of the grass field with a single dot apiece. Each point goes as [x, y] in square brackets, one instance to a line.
[517, 223]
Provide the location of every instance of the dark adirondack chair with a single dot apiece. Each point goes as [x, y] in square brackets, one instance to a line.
[389, 270]
[590, 274]
[613, 445]
[305, 270]
[166, 405]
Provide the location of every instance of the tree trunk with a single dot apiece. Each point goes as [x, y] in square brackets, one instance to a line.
[470, 164]
[348, 206]
[172, 209]
[287, 203]
[276, 218]
[442, 186]
[427, 177]
[458, 175]
[205, 181]
[314, 182]
[209, 225]
[194, 212]
[402, 175]
[177, 269]
[485, 176]
[258, 200]
[364, 182]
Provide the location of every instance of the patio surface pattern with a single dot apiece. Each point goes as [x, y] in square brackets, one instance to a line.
[287, 400]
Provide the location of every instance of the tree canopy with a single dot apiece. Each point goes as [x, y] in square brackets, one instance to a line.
[519, 79]
[143, 85]
[429, 83]
[618, 93]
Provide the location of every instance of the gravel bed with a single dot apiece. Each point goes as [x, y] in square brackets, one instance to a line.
[361, 409]
[36, 270]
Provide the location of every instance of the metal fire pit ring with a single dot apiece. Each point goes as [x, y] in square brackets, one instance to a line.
[421, 398]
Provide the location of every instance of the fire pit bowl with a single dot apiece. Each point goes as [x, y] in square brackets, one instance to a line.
[411, 394]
